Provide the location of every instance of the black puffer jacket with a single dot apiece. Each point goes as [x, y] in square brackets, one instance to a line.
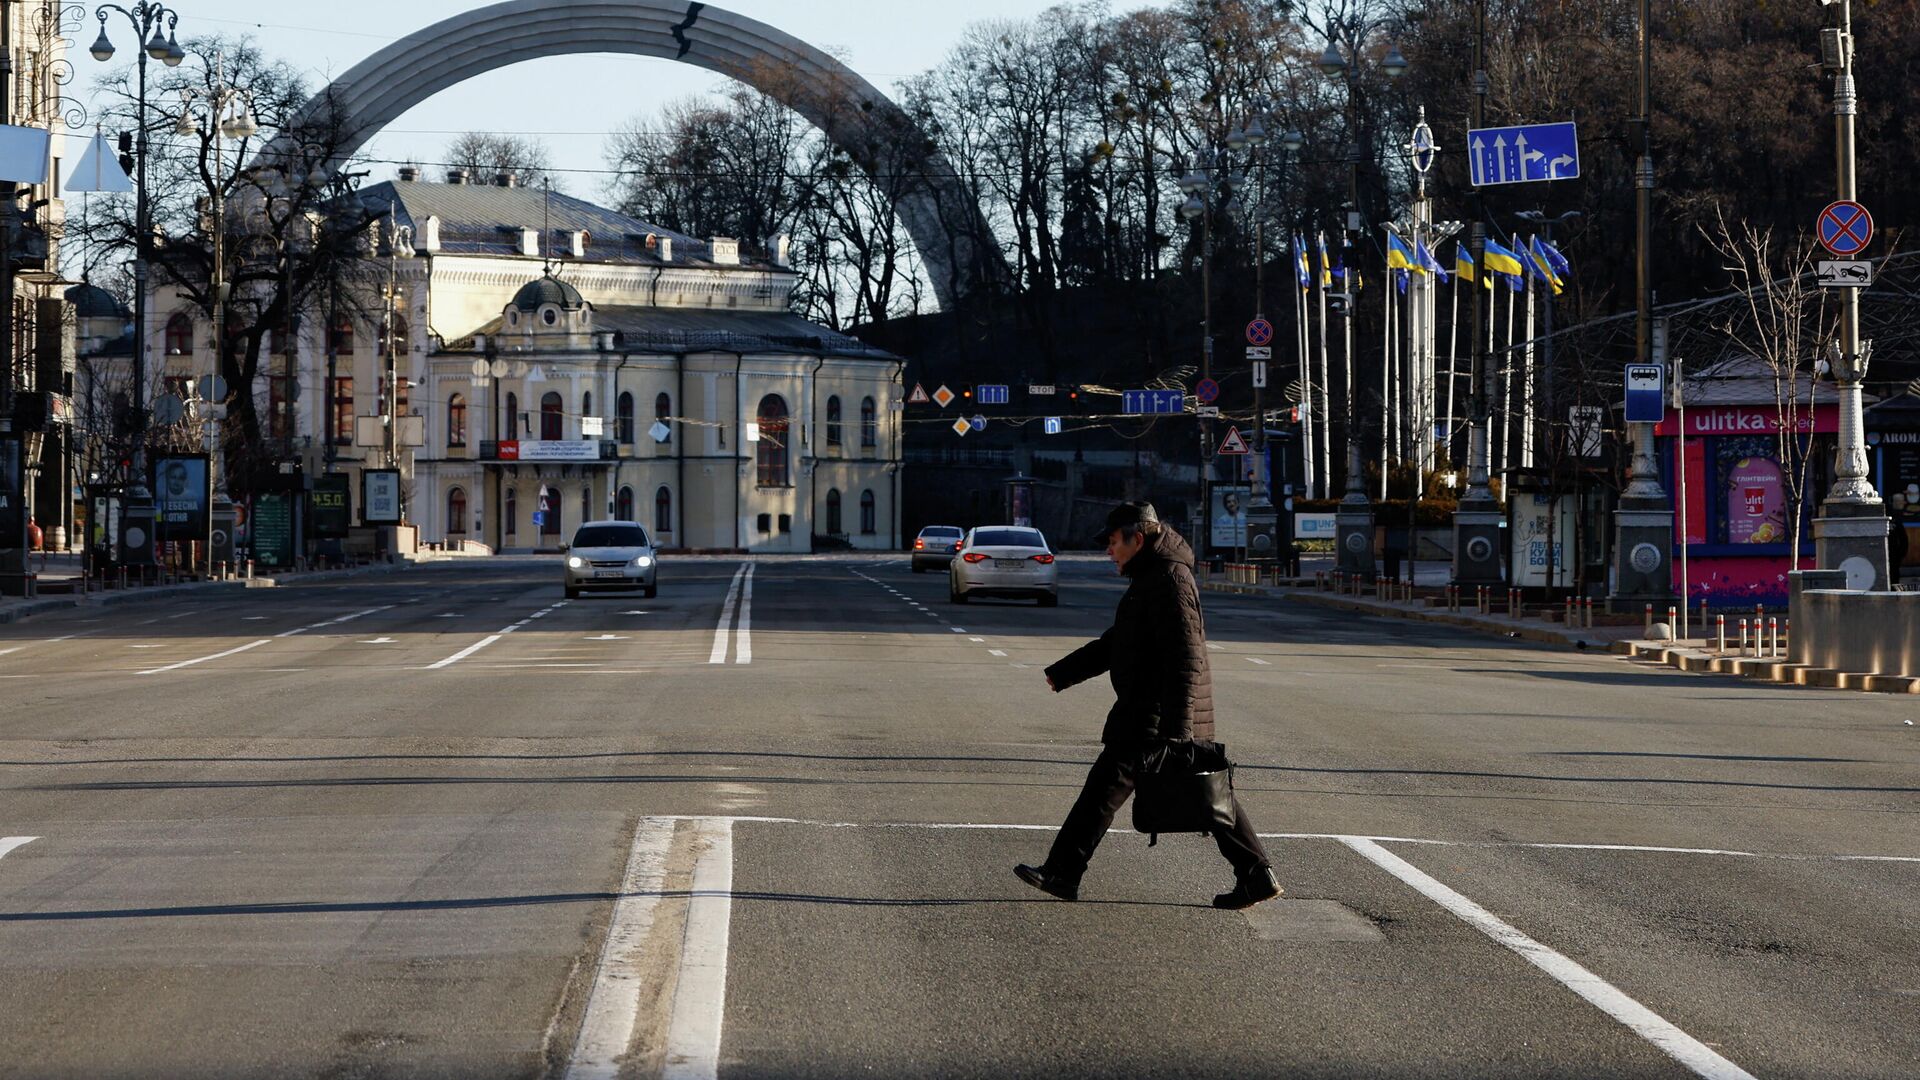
[1156, 651]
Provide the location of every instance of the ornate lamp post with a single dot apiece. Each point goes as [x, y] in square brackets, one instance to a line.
[1198, 184]
[1354, 521]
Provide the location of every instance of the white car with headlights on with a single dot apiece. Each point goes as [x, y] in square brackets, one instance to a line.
[1004, 560]
[608, 555]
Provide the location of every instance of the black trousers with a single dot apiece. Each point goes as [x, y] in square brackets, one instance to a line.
[1109, 785]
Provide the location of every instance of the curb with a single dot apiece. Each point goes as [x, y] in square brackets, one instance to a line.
[30, 608]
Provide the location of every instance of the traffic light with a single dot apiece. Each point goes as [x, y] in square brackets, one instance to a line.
[966, 392]
[126, 152]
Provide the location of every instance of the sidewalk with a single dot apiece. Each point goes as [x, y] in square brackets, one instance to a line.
[62, 572]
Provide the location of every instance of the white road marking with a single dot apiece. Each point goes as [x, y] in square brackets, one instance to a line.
[1257, 660]
[183, 614]
[1215, 648]
[743, 634]
[997, 652]
[956, 629]
[976, 639]
[331, 622]
[608, 637]
[450, 615]
[380, 641]
[613, 1004]
[719, 654]
[16, 648]
[252, 618]
[466, 652]
[8, 843]
[146, 646]
[1676, 1044]
[204, 659]
[700, 998]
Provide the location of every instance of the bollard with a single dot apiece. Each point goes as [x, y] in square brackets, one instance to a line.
[1673, 624]
[1720, 634]
[249, 569]
[1743, 635]
[1773, 636]
[1567, 618]
[1647, 622]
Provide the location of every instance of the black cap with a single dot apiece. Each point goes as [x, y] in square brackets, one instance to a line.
[1127, 513]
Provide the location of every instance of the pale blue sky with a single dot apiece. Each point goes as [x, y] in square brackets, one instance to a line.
[568, 102]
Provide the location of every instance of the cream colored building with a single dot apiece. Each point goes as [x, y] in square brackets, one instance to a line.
[557, 354]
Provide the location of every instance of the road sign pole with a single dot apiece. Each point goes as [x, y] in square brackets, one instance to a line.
[1851, 532]
[1643, 522]
[1476, 524]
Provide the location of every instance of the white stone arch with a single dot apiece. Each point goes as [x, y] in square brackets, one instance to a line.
[946, 226]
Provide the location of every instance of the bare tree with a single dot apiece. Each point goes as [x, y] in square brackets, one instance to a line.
[485, 155]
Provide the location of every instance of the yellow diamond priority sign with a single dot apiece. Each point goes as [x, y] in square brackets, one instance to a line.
[943, 397]
[960, 426]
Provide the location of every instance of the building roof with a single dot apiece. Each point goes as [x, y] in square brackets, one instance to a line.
[680, 330]
[93, 302]
[547, 289]
[484, 219]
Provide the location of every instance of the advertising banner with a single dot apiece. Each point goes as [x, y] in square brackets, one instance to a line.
[181, 496]
[380, 497]
[550, 450]
[273, 529]
[1228, 516]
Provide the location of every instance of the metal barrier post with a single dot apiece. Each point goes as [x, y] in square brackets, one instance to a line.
[1720, 634]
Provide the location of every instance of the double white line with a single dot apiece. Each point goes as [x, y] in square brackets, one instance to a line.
[740, 598]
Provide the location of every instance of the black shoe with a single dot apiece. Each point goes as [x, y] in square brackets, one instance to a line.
[1047, 883]
[1250, 890]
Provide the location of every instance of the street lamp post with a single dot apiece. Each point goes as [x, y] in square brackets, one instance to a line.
[1643, 524]
[1198, 184]
[1353, 523]
[1851, 532]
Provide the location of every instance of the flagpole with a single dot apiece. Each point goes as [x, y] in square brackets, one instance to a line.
[1306, 375]
[1326, 374]
[1526, 387]
[1389, 373]
[1453, 361]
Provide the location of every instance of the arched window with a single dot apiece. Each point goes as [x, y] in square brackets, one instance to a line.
[510, 418]
[623, 505]
[510, 513]
[623, 419]
[552, 421]
[770, 453]
[663, 412]
[399, 335]
[663, 511]
[180, 335]
[833, 423]
[456, 510]
[866, 513]
[340, 339]
[833, 512]
[457, 420]
[586, 403]
[869, 424]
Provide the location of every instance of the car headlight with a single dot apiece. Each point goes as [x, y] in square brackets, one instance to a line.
[643, 561]
[575, 562]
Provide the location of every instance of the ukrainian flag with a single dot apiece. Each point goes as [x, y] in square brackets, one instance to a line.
[1463, 260]
[1399, 256]
[1300, 270]
[1502, 260]
[1537, 262]
[1326, 266]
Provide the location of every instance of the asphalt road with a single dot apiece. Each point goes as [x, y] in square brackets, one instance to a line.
[443, 823]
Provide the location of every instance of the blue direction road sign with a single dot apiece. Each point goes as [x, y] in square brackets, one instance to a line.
[1845, 228]
[992, 394]
[1646, 397]
[1152, 402]
[1206, 390]
[1520, 155]
[539, 517]
[1052, 424]
[978, 423]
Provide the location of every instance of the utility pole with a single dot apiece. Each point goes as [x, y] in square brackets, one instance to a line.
[1851, 532]
[1643, 523]
[1476, 523]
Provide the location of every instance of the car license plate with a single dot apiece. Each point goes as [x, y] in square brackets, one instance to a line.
[1009, 564]
[609, 573]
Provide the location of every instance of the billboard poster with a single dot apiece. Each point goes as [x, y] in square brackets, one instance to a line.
[13, 497]
[181, 496]
[1542, 530]
[273, 529]
[332, 506]
[380, 497]
[1228, 516]
[1756, 502]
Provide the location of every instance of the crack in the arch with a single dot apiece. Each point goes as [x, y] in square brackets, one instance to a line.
[680, 31]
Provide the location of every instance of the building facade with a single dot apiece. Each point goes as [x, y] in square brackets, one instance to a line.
[539, 355]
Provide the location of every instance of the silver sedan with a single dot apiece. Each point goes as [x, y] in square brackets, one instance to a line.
[1004, 560]
[611, 555]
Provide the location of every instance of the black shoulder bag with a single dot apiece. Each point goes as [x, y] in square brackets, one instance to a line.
[1182, 787]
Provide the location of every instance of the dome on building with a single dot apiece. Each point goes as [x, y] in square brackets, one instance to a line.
[547, 289]
[94, 302]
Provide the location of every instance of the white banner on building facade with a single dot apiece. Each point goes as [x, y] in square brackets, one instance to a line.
[550, 450]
